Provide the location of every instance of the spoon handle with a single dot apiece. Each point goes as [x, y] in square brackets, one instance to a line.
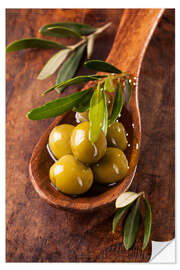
[133, 35]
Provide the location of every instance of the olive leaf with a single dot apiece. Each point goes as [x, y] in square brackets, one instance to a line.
[105, 120]
[90, 46]
[126, 198]
[120, 212]
[52, 65]
[118, 104]
[108, 84]
[75, 80]
[58, 106]
[85, 103]
[33, 43]
[96, 114]
[148, 222]
[131, 226]
[124, 202]
[127, 91]
[70, 66]
[100, 65]
[82, 29]
[63, 31]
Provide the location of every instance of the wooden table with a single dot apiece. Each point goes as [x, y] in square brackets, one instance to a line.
[37, 232]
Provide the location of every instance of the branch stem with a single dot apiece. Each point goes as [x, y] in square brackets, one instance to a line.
[86, 38]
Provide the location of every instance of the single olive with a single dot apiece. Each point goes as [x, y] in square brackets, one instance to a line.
[70, 175]
[59, 140]
[83, 149]
[113, 167]
[116, 136]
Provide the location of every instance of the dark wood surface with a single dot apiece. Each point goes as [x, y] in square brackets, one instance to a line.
[39, 232]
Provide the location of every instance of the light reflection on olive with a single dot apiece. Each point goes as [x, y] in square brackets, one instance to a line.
[71, 176]
[59, 140]
[83, 149]
[113, 167]
[116, 136]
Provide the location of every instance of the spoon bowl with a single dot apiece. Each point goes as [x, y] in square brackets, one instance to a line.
[134, 33]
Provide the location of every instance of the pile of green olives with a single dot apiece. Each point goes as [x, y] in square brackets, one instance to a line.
[81, 162]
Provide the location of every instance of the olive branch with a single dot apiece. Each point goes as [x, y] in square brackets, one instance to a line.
[68, 58]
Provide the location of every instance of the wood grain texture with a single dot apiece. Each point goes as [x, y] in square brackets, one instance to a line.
[156, 173]
[39, 232]
[133, 35]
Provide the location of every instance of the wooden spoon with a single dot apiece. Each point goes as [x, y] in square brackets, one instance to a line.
[134, 33]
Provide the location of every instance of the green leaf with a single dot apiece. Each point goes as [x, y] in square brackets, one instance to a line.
[33, 43]
[119, 213]
[126, 198]
[96, 114]
[58, 106]
[75, 80]
[54, 62]
[117, 106]
[99, 65]
[127, 91]
[131, 226]
[82, 29]
[108, 84]
[105, 121]
[70, 66]
[148, 222]
[63, 31]
[85, 103]
[90, 46]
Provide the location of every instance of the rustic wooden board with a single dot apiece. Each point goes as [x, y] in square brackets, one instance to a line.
[155, 172]
[39, 232]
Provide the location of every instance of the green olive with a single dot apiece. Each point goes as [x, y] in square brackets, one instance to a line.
[59, 140]
[113, 167]
[116, 136]
[71, 176]
[83, 149]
